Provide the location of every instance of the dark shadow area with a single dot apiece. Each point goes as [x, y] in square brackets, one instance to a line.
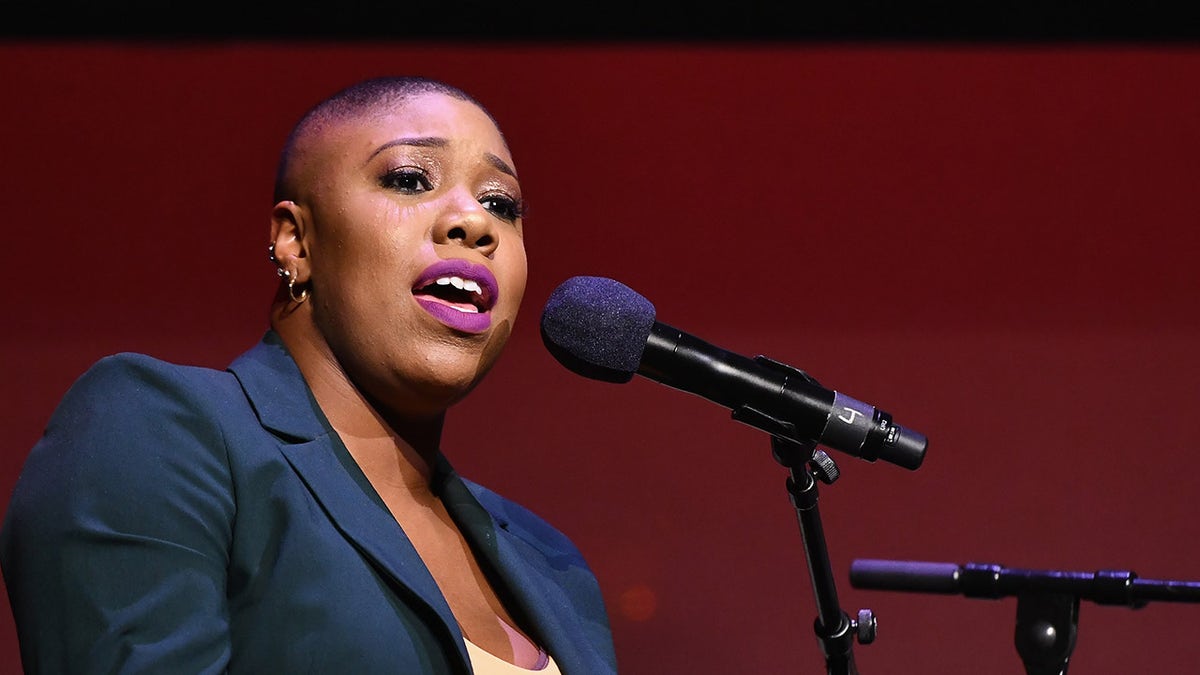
[575, 21]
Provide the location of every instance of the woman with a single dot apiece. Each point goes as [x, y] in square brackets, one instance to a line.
[294, 513]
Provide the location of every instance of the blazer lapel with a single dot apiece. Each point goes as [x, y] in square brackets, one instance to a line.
[525, 572]
[367, 524]
[284, 405]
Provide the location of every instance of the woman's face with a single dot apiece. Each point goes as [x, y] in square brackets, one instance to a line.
[416, 258]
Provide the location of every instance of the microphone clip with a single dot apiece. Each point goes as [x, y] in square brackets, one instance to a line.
[790, 453]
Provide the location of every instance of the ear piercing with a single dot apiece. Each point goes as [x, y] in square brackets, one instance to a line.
[286, 275]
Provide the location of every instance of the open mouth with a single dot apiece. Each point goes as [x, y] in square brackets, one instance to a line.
[463, 294]
[458, 293]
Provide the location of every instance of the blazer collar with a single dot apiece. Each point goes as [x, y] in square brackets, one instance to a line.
[277, 391]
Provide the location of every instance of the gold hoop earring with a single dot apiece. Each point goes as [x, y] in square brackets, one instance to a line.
[291, 280]
[291, 284]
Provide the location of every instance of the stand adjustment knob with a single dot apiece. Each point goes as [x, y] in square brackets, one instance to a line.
[823, 467]
[865, 626]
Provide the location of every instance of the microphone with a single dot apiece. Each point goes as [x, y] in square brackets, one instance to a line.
[601, 329]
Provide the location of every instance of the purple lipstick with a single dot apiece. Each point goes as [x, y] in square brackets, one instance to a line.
[457, 293]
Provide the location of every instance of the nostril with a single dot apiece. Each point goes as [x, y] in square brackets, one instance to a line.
[467, 234]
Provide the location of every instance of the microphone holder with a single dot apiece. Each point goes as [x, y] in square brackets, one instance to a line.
[1047, 600]
[836, 631]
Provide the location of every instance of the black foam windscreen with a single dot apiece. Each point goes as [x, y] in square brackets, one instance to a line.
[597, 327]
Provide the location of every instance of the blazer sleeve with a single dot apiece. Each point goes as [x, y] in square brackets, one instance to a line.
[115, 544]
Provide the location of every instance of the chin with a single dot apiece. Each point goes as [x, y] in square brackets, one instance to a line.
[445, 383]
[430, 376]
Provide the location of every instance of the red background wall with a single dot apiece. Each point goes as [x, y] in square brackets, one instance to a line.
[996, 244]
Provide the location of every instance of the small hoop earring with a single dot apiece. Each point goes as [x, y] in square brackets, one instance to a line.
[286, 275]
[291, 284]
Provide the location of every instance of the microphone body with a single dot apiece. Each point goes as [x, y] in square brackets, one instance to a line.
[599, 328]
[830, 418]
[684, 362]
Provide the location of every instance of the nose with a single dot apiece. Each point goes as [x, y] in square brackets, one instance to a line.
[466, 223]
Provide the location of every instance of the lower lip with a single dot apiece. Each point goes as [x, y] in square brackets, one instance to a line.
[467, 322]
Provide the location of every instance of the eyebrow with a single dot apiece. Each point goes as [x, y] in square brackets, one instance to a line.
[500, 164]
[439, 142]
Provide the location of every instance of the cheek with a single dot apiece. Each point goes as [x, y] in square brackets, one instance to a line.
[516, 273]
[377, 244]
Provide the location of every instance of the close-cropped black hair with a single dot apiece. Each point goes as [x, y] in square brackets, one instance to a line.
[356, 100]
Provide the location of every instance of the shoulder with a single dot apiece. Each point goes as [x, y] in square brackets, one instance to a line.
[131, 426]
[127, 397]
[136, 390]
[141, 374]
[122, 517]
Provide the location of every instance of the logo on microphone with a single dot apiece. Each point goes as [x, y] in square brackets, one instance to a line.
[853, 415]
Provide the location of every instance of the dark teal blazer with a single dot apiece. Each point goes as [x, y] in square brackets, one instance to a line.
[183, 520]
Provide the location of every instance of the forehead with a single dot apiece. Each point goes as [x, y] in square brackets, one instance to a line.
[464, 125]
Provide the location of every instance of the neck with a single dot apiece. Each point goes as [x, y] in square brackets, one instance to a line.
[399, 450]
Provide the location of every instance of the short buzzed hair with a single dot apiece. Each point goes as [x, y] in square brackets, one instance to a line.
[357, 100]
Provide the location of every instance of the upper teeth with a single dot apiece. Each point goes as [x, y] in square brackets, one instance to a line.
[461, 284]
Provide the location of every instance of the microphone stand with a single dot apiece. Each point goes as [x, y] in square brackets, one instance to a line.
[836, 632]
[1047, 600]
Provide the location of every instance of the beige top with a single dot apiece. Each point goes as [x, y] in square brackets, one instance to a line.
[487, 663]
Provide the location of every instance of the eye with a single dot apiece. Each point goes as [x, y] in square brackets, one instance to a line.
[503, 206]
[406, 179]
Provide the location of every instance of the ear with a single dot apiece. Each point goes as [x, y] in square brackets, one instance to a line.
[289, 228]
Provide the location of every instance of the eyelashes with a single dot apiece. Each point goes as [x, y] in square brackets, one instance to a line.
[411, 180]
[503, 206]
[406, 180]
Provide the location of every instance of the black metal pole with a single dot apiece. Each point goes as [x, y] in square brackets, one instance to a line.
[832, 626]
[836, 632]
